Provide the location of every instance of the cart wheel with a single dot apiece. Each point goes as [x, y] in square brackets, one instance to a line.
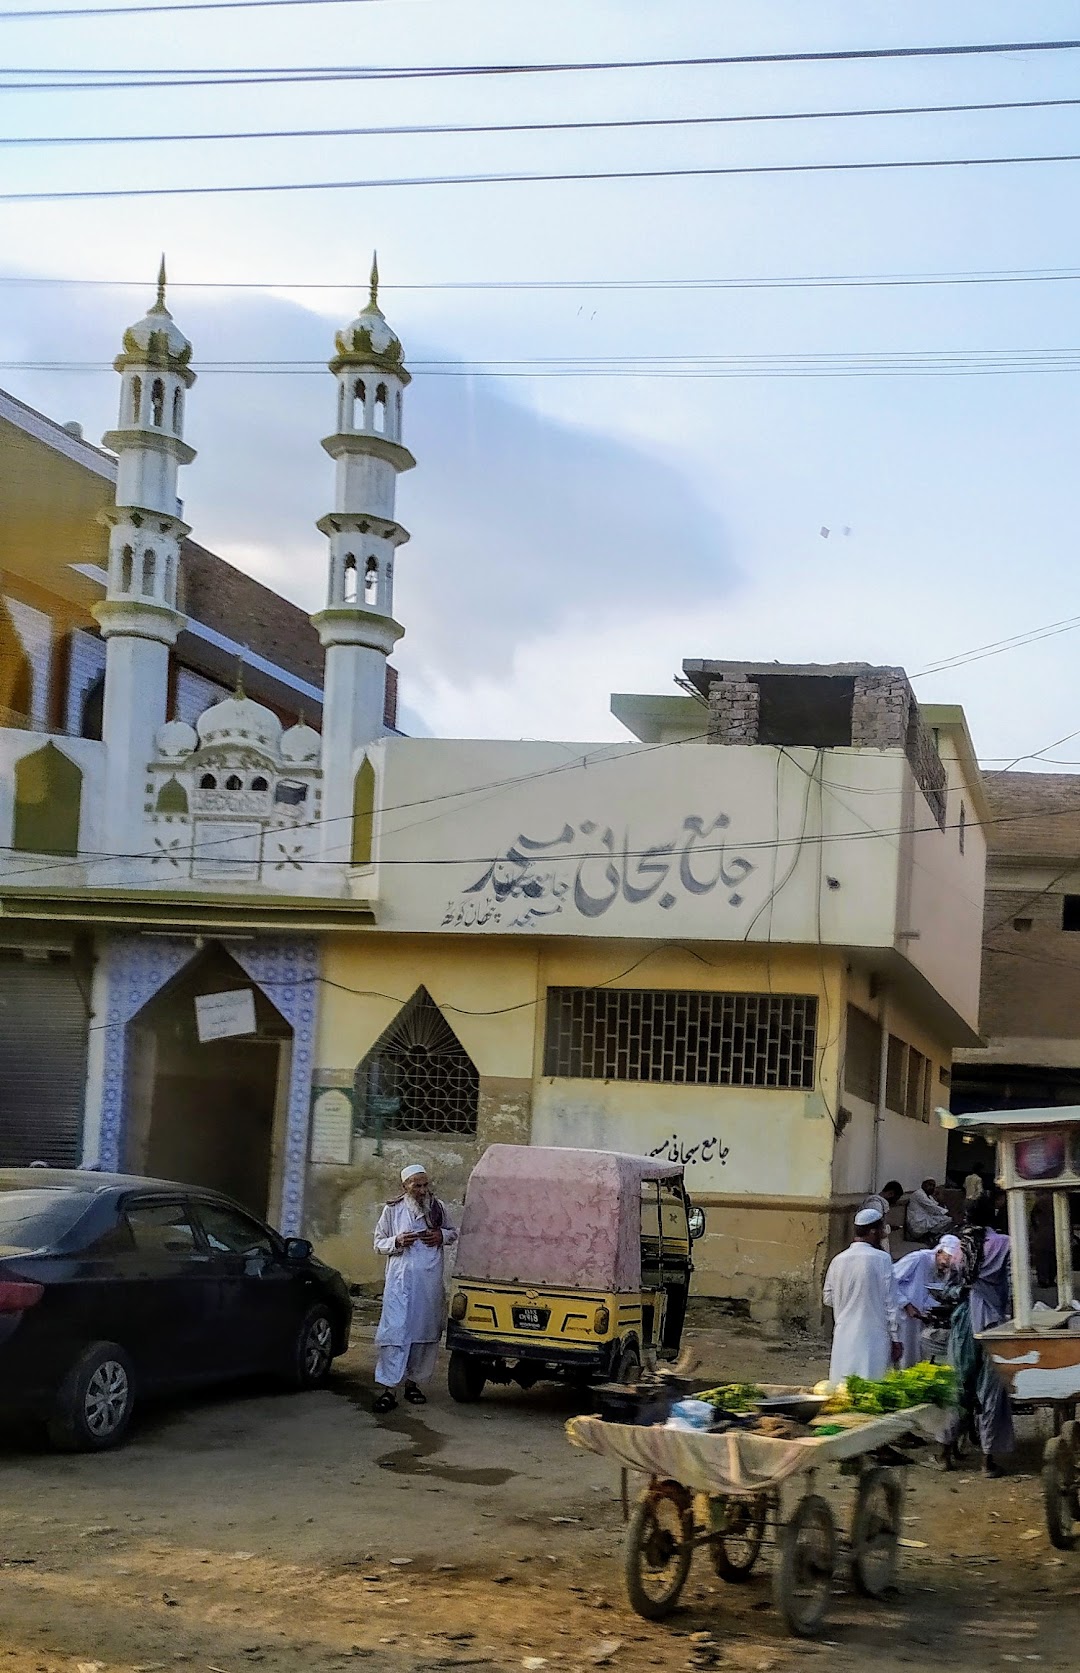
[1070, 1440]
[1060, 1493]
[875, 1530]
[659, 1546]
[736, 1545]
[802, 1578]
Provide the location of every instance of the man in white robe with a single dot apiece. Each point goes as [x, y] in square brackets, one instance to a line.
[926, 1217]
[861, 1290]
[412, 1232]
[916, 1277]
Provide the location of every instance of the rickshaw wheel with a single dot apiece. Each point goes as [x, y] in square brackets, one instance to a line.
[465, 1378]
[1059, 1476]
[802, 1578]
[875, 1531]
[659, 1546]
[628, 1370]
[736, 1545]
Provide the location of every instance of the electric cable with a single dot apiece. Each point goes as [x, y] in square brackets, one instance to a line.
[557, 177]
[429, 129]
[412, 72]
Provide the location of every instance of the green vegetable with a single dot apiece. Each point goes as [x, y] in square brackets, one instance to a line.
[896, 1391]
[732, 1397]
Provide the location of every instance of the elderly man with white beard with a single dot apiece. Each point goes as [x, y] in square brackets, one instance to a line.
[412, 1232]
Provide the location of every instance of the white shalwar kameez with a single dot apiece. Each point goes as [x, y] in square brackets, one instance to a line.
[414, 1297]
[861, 1290]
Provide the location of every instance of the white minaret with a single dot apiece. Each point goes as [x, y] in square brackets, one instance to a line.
[138, 615]
[357, 628]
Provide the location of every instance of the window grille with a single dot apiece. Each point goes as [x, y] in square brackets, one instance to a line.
[418, 1077]
[684, 1039]
[895, 1074]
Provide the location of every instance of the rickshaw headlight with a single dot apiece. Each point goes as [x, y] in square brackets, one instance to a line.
[601, 1321]
[459, 1306]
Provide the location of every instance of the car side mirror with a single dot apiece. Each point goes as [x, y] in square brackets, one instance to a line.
[695, 1220]
[298, 1249]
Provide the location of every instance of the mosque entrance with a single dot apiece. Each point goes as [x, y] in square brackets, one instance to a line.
[209, 1111]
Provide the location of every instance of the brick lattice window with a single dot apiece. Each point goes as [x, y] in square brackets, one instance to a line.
[683, 1039]
[418, 1077]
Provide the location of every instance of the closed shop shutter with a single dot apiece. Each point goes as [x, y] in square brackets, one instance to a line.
[43, 1039]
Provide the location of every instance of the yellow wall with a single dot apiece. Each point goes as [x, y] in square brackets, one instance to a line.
[767, 1203]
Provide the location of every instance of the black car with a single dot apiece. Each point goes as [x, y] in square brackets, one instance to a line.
[112, 1288]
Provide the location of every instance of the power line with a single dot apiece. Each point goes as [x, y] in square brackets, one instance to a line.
[446, 128]
[170, 6]
[562, 177]
[812, 281]
[413, 72]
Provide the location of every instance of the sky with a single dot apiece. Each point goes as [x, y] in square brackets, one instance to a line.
[578, 535]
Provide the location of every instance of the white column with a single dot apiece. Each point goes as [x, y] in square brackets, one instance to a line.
[138, 637]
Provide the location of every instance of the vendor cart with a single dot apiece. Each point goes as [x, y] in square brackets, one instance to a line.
[1036, 1353]
[735, 1491]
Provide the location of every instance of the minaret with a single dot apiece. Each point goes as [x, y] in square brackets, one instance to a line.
[138, 615]
[357, 628]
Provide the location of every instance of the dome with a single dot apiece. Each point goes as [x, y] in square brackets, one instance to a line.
[157, 337]
[300, 745]
[175, 740]
[238, 720]
[368, 337]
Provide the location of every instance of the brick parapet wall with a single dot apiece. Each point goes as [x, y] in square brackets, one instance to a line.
[734, 710]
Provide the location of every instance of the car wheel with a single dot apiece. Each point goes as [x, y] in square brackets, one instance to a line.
[313, 1352]
[96, 1399]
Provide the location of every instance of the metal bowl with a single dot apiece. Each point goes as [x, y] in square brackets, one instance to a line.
[800, 1408]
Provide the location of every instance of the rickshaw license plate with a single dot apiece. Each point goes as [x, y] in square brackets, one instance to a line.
[531, 1318]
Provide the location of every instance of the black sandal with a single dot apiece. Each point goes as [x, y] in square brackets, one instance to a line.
[414, 1395]
[385, 1402]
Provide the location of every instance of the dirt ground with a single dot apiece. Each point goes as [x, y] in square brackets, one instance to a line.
[299, 1532]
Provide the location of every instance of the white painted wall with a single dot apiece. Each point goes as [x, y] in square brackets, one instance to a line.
[89, 755]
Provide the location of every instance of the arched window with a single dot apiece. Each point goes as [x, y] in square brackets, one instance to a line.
[380, 409]
[417, 1077]
[136, 400]
[16, 672]
[363, 816]
[341, 406]
[371, 581]
[259, 783]
[348, 582]
[359, 402]
[48, 801]
[157, 403]
[149, 569]
[92, 712]
[177, 409]
[234, 782]
[127, 559]
[170, 578]
[172, 797]
[208, 782]
[397, 410]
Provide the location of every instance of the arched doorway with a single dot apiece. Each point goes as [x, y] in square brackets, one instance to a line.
[206, 1112]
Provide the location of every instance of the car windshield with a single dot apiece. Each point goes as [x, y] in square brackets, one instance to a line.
[38, 1219]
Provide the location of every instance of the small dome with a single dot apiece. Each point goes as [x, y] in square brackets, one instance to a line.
[369, 338]
[156, 337]
[239, 720]
[300, 745]
[175, 740]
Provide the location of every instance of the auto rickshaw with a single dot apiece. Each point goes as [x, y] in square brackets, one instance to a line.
[572, 1265]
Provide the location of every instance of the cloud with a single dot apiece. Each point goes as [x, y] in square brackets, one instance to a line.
[523, 525]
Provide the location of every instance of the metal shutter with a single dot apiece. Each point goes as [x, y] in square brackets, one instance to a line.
[43, 1039]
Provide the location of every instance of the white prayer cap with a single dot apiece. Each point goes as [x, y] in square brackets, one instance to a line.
[411, 1171]
[868, 1217]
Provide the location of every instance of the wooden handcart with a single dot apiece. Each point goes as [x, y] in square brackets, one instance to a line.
[734, 1493]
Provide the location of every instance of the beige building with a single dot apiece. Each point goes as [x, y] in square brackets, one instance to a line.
[1031, 958]
[748, 939]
